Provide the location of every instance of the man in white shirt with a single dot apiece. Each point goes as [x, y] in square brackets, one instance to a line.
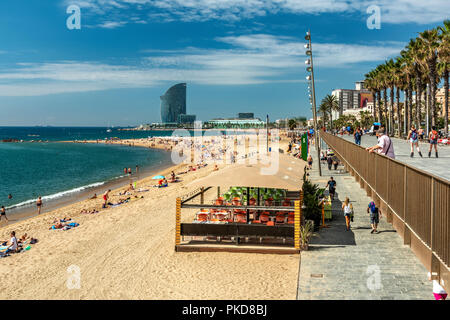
[384, 146]
[12, 245]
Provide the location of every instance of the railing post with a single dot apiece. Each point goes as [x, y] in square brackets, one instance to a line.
[177, 223]
[202, 195]
[297, 217]
[432, 215]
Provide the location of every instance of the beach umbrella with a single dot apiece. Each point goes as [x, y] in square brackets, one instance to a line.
[158, 177]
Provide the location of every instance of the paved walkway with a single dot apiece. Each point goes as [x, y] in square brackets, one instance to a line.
[356, 264]
[437, 166]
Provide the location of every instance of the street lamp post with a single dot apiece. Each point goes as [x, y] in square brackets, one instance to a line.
[310, 77]
[267, 134]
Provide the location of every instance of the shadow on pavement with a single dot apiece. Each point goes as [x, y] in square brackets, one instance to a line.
[336, 235]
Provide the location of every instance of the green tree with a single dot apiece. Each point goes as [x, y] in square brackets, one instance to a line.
[331, 104]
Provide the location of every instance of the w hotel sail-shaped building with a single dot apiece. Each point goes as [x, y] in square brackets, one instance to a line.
[173, 103]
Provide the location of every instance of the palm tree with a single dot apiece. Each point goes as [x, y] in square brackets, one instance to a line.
[371, 84]
[390, 82]
[384, 85]
[416, 56]
[400, 84]
[429, 44]
[331, 104]
[324, 109]
[409, 70]
[444, 65]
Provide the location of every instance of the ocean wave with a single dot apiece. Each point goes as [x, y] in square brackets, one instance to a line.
[57, 195]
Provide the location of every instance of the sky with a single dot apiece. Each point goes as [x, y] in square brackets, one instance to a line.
[234, 55]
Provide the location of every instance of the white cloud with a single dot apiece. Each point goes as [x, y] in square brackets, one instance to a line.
[398, 11]
[250, 59]
[112, 24]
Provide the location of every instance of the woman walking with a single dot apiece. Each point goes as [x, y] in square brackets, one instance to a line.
[433, 141]
[348, 212]
[413, 137]
[39, 204]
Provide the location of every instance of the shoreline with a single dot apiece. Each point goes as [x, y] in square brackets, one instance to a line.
[23, 212]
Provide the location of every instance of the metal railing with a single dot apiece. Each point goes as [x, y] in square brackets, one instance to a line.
[417, 203]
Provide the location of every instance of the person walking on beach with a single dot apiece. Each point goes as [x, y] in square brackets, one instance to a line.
[348, 212]
[129, 171]
[384, 146]
[3, 214]
[125, 171]
[105, 198]
[39, 204]
[375, 215]
[413, 137]
[137, 169]
[433, 141]
[331, 187]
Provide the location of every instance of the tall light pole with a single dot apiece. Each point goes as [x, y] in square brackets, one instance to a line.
[310, 77]
[267, 134]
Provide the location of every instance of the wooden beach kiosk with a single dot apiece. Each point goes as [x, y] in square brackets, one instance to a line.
[236, 214]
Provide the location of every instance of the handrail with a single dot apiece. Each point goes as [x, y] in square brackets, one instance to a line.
[418, 200]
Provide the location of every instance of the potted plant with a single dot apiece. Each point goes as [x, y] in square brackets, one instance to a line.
[305, 234]
[312, 203]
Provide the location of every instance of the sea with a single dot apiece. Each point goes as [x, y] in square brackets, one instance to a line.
[56, 171]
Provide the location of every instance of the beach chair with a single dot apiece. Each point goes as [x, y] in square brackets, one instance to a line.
[263, 218]
[290, 219]
[280, 218]
[221, 216]
[241, 218]
[202, 217]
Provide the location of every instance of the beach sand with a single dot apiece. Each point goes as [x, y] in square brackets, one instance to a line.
[127, 252]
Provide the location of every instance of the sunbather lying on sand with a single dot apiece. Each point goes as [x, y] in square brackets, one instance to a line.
[85, 211]
[64, 226]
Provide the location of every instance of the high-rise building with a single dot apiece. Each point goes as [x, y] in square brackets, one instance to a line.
[173, 103]
[352, 100]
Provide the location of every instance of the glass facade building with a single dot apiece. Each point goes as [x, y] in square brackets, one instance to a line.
[173, 103]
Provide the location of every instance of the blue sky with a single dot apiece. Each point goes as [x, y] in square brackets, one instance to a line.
[235, 55]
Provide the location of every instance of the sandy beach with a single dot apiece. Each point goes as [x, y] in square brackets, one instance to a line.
[127, 252]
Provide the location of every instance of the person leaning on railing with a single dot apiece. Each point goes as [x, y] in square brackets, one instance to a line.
[385, 145]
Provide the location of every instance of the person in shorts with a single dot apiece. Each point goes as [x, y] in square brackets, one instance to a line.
[375, 214]
[329, 161]
[310, 162]
[331, 187]
[433, 141]
[3, 213]
[413, 137]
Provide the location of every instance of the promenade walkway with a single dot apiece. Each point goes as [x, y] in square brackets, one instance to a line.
[437, 166]
[356, 264]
